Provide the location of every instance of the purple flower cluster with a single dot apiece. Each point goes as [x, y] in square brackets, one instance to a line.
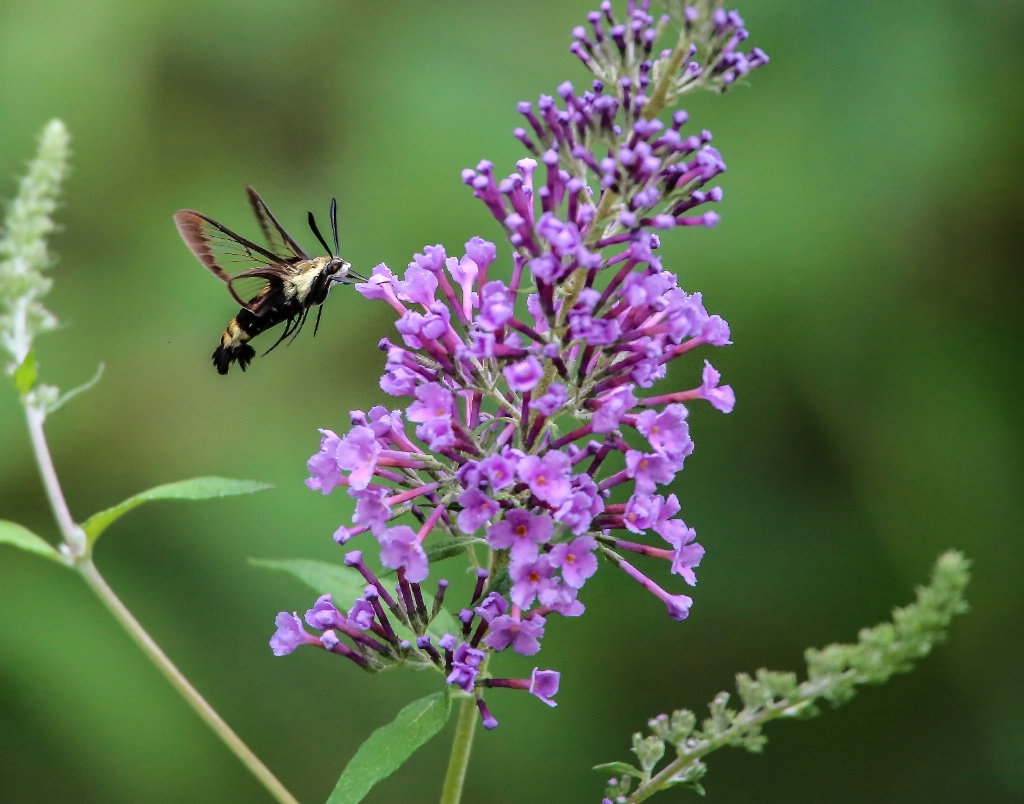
[710, 56]
[532, 443]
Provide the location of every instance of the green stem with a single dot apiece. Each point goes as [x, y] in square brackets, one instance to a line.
[458, 762]
[181, 684]
[74, 538]
[76, 550]
[746, 720]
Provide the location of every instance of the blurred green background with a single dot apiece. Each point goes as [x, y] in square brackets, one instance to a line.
[868, 261]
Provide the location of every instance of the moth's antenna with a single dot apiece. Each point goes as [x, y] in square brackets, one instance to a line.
[334, 225]
[320, 237]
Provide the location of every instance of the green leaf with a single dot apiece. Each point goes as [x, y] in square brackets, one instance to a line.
[446, 548]
[87, 386]
[344, 584]
[620, 769]
[198, 488]
[439, 551]
[14, 534]
[390, 746]
[25, 375]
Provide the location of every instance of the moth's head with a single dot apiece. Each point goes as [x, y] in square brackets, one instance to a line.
[337, 268]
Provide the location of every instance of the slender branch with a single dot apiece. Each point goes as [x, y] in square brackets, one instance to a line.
[833, 674]
[74, 539]
[701, 748]
[75, 549]
[181, 684]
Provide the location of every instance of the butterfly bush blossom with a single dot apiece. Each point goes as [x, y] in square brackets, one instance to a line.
[536, 442]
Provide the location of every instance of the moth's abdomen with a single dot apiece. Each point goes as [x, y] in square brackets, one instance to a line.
[234, 346]
[224, 356]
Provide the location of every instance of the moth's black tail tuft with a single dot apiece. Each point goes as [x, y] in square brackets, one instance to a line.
[224, 357]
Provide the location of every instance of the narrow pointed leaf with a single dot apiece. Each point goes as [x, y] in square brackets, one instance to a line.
[198, 488]
[390, 746]
[439, 551]
[18, 536]
[447, 548]
[25, 375]
[344, 584]
[619, 769]
[87, 386]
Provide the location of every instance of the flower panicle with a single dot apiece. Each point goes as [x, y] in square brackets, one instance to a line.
[833, 674]
[533, 441]
[24, 254]
[624, 55]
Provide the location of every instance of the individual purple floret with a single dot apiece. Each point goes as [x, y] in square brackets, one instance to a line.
[523, 635]
[542, 683]
[521, 533]
[290, 634]
[541, 444]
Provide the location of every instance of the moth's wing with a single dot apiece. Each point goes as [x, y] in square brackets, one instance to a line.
[230, 257]
[257, 289]
[279, 241]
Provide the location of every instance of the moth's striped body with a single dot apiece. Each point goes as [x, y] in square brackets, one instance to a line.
[288, 299]
[293, 283]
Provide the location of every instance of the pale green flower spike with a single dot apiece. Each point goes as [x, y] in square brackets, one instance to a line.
[833, 673]
[23, 249]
